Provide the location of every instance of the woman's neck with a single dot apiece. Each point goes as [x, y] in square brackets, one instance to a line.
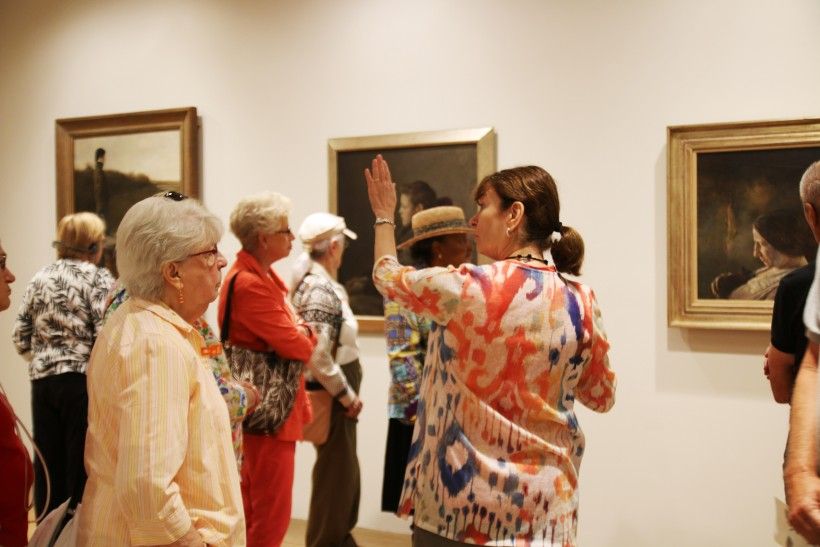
[259, 256]
[786, 261]
[170, 299]
[327, 263]
[525, 250]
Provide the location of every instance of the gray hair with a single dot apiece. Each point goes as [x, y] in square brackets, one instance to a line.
[259, 213]
[810, 185]
[156, 231]
[318, 249]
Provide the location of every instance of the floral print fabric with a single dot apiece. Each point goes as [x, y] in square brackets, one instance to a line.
[406, 335]
[497, 446]
[60, 316]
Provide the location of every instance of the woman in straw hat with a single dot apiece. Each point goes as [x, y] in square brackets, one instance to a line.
[439, 238]
[497, 446]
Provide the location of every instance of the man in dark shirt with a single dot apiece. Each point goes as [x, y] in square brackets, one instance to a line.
[788, 342]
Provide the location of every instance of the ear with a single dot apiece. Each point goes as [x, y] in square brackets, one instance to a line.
[516, 214]
[811, 217]
[171, 274]
[261, 241]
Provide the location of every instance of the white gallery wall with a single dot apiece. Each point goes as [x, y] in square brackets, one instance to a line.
[691, 452]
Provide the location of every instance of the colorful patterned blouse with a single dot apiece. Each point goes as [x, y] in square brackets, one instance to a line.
[497, 446]
[406, 334]
[234, 393]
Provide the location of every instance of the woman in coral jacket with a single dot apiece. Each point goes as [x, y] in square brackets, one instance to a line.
[261, 320]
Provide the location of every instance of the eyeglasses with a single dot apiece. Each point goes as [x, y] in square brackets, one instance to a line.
[176, 196]
[210, 256]
[286, 231]
[2, 263]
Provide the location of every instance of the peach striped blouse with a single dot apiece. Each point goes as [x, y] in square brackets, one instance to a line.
[158, 450]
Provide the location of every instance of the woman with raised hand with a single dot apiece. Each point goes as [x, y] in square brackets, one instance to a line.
[497, 446]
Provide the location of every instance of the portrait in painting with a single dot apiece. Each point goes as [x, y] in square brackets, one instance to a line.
[751, 230]
[736, 223]
[429, 169]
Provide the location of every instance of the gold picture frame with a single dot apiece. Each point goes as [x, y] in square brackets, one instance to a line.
[722, 180]
[452, 162]
[107, 163]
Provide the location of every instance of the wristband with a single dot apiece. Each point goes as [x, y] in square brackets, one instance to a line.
[382, 220]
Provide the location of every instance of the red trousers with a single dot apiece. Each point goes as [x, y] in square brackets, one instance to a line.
[267, 488]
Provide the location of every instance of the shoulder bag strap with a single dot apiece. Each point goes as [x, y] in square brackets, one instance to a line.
[226, 319]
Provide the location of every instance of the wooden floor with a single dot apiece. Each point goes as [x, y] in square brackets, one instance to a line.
[364, 537]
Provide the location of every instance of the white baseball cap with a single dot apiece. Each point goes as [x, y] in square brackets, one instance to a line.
[319, 226]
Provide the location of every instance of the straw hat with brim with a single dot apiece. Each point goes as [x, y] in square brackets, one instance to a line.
[436, 221]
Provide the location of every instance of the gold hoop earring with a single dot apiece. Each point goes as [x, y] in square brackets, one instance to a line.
[508, 232]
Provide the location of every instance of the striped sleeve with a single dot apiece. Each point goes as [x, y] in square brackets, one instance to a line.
[153, 439]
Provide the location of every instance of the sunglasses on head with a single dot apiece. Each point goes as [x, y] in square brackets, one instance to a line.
[176, 196]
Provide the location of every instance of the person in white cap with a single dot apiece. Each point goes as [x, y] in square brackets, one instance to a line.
[323, 303]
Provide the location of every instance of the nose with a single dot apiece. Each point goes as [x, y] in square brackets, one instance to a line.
[9, 276]
[221, 261]
[474, 220]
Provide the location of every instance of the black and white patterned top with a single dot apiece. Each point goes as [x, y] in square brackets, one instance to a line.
[60, 317]
[322, 303]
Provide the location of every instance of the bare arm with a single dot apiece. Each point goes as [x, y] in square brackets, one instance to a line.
[780, 372]
[382, 194]
[801, 480]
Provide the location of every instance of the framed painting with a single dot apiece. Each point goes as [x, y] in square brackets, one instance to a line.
[105, 164]
[442, 166]
[735, 220]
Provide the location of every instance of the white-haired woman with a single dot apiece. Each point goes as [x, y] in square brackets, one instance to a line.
[261, 320]
[324, 305]
[161, 468]
[56, 326]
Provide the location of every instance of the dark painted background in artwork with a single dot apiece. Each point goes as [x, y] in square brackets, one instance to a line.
[733, 189]
[450, 170]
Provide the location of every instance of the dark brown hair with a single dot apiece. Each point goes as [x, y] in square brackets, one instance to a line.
[536, 190]
[420, 193]
[786, 231]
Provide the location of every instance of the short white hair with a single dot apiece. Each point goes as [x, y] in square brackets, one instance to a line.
[259, 213]
[156, 231]
[318, 249]
[810, 185]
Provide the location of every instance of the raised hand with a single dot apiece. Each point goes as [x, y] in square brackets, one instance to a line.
[380, 188]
